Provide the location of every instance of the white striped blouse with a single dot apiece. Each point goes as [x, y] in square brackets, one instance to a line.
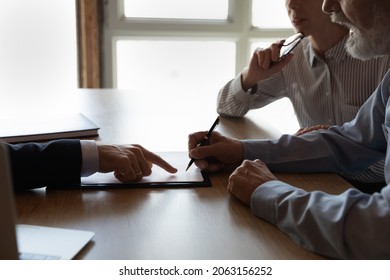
[322, 91]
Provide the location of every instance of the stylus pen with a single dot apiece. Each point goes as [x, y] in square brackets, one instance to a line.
[204, 140]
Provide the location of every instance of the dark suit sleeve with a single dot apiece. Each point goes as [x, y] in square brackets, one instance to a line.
[37, 165]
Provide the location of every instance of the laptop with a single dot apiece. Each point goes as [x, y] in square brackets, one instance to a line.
[19, 241]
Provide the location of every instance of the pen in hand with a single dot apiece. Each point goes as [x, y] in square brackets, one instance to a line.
[204, 140]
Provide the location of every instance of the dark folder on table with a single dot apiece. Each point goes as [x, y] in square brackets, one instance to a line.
[42, 128]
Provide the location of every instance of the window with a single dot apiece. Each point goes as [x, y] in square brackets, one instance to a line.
[189, 9]
[156, 30]
[154, 45]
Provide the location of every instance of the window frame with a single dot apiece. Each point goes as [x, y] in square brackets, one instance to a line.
[88, 14]
[237, 28]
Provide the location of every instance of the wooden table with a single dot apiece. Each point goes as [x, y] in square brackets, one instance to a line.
[184, 223]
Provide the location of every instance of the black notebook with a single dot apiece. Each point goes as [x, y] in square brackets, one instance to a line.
[159, 178]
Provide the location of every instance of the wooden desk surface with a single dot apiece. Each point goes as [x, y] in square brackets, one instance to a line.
[191, 223]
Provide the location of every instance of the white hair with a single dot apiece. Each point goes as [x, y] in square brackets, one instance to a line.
[366, 44]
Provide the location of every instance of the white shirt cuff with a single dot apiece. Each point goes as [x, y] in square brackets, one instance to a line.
[90, 158]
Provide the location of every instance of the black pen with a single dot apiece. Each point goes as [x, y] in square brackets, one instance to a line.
[204, 140]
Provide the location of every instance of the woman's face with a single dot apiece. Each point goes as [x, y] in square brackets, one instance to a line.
[307, 16]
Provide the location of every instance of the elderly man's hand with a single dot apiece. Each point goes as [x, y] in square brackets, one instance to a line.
[247, 178]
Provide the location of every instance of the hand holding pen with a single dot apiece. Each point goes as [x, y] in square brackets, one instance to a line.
[204, 140]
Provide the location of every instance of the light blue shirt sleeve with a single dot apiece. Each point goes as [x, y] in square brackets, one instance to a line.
[90, 158]
[348, 149]
[352, 225]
